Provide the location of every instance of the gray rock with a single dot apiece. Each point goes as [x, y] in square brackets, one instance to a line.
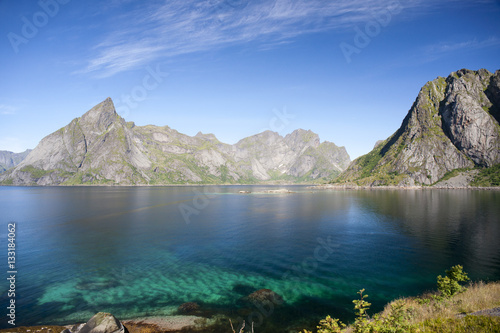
[469, 126]
[9, 159]
[100, 323]
[101, 148]
[462, 180]
[453, 124]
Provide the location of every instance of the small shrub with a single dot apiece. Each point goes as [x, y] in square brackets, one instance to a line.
[361, 324]
[450, 284]
[329, 325]
[397, 320]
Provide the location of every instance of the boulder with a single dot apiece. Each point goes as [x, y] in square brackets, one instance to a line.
[102, 322]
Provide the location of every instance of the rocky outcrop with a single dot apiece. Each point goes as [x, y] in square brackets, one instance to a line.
[102, 148]
[453, 124]
[9, 159]
[100, 323]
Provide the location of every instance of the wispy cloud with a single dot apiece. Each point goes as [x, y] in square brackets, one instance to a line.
[447, 47]
[7, 109]
[175, 27]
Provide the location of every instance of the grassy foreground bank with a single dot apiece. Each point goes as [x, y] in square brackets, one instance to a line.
[474, 310]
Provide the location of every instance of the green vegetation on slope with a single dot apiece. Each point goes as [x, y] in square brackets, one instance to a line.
[369, 161]
[452, 173]
[445, 311]
[488, 177]
[35, 172]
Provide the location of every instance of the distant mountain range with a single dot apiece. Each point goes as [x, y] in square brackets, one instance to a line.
[9, 159]
[450, 137]
[102, 148]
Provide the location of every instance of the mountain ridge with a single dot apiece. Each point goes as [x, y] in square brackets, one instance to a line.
[452, 125]
[100, 147]
[450, 137]
[10, 159]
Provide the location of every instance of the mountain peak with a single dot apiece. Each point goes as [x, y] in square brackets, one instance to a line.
[453, 124]
[301, 137]
[102, 115]
[207, 136]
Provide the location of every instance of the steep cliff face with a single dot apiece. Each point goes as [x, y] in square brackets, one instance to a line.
[299, 154]
[453, 124]
[95, 148]
[101, 148]
[9, 159]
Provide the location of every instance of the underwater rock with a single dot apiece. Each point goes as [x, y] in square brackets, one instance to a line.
[265, 296]
[97, 285]
[188, 307]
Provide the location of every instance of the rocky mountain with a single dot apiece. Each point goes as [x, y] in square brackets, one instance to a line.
[9, 159]
[102, 148]
[452, 126]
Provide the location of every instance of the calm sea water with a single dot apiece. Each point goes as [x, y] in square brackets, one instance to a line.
[144, 251]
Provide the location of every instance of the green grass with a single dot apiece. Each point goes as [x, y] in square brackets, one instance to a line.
[368, 162]
[487, 177]
[452, 173]
[35, 172]
[432, 313]
[8, 181]
[468, 324]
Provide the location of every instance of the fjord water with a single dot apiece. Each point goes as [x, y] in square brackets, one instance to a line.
[143, 251]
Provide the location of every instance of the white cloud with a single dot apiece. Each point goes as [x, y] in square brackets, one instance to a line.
[447, 47]
[7, 109]
[175, 27]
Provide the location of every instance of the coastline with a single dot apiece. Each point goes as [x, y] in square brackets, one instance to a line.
[174, 323]
[393, 187]
[308, 186]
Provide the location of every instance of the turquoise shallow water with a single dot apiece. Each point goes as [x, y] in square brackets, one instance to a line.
[144, 251]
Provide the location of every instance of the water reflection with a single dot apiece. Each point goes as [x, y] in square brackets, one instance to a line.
[460, 226]
[95, 249]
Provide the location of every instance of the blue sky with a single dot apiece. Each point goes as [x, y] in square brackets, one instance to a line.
[347, 70]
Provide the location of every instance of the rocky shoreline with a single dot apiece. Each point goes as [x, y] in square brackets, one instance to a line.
[395, 187]
[189, 317]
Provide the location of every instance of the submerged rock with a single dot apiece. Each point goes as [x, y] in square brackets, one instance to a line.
[188, 307]
[102, 322]
[96, 285]
[265, 297]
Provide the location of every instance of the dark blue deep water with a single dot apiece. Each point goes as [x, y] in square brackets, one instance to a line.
[143, 251]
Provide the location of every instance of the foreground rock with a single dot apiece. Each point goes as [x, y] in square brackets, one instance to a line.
[494, 312]
[100, 323]
[181, 323]
[453, 124]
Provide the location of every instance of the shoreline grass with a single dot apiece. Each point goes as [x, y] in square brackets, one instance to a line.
[431, 313]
